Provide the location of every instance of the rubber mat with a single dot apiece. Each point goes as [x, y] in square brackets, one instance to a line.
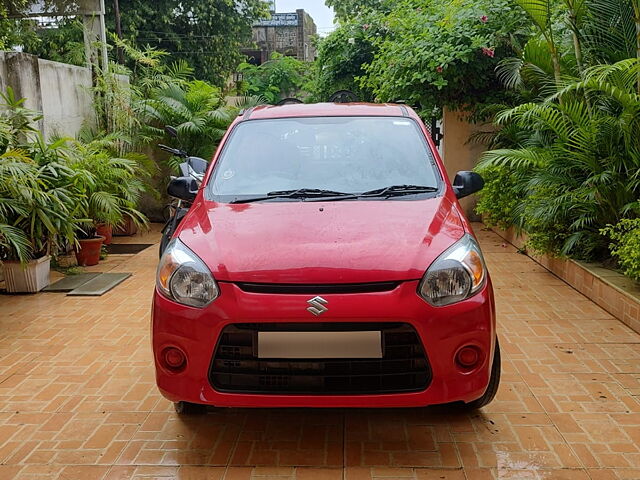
[71, 282]
[99, 285]
[127, 248]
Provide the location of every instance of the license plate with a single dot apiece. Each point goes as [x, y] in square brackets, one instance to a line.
[320, 344]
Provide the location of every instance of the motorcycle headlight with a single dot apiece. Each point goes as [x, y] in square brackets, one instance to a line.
[455, 275]
[184, 278]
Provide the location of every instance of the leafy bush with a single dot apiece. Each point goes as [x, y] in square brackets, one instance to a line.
[499, 197]
[53, 191]
[579, 165]
[195, 109]
[39, 211]
[110, 186]
[281, 77]
[436, 54]
[625, 245]
[342, 56]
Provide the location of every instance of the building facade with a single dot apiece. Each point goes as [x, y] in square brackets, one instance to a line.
[291, 34]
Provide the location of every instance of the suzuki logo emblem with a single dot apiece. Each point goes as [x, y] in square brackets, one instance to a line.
[317, 306]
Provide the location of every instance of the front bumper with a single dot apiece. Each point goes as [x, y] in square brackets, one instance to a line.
[442, 330]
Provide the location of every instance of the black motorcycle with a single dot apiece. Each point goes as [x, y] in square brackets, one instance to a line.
[192, 172]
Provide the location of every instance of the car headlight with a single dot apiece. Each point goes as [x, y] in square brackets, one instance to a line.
[455, 275]
[184, 278]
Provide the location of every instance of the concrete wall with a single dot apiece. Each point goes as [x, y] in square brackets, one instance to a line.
[460, 154]
[3, 72]
[66, 97]
[306, 30]
[58, 90]
[22, 75]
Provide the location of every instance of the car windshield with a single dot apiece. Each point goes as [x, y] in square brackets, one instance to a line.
[330, 155]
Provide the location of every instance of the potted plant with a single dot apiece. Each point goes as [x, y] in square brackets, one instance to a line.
[38, 205]
[127, 228]
[89, 247]
[105, 230]
[31, 278]
[112, 187]
[37, 215]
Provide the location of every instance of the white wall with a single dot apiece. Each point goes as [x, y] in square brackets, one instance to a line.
[61, 92]
[3, 73]
[66, 97]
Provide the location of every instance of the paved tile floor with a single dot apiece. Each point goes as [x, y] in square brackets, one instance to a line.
[78, 399]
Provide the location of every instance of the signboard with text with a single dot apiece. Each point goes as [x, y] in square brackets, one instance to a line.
[279, 20]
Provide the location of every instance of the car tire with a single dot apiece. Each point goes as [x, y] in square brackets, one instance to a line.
[492, 388]
[187, 408]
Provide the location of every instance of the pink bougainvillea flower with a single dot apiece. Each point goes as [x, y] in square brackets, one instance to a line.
[489, 52]
[484, 19]
[439, 69]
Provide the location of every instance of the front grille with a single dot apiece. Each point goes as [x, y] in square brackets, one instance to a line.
[317, 289]
[403, 368]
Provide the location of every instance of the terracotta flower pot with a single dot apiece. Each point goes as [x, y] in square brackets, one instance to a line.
[89, 252]
[106, 231]
[127, 229]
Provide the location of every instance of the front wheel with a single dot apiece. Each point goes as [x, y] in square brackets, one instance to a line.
[186, 408]
[492, 388]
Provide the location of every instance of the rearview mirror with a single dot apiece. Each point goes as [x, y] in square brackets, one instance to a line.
[184, 188]
[467, 183]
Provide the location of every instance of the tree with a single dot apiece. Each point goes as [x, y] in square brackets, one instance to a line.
[350, 9]
[65, 43]
[207, 34]
[13, 31]
[341, 59]
[195, 109]
[437, 54]
[279, 78]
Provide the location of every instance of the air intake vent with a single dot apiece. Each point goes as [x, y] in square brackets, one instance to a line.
[403, 367]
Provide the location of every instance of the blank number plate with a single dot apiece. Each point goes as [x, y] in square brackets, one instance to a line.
[319, 345]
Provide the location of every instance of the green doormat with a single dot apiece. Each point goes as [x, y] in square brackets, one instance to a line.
[71, 282]
[99, 285]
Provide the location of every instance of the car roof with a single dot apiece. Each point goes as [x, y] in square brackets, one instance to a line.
[327, 110]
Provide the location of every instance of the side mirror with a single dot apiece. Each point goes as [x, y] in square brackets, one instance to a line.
[184, 188]
[467, 183]
[171, 131]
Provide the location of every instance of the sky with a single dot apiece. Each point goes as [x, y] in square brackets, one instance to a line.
[322, 15]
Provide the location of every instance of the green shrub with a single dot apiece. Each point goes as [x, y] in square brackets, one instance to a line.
[277, 79]
[625, 245]
[498, 198]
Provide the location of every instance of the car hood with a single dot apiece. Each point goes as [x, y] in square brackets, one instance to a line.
[321, 242]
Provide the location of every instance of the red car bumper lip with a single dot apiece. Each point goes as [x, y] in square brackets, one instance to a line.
[442, 331]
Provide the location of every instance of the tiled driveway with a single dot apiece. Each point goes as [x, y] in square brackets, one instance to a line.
[78, 399]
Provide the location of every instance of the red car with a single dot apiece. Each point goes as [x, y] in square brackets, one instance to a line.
[325, 262]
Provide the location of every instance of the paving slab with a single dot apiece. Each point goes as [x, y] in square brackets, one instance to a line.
[99, 285]
[71, 282]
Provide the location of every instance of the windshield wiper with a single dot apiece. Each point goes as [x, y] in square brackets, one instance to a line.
[307, 192]
[397, 190]
[298, 193]
[317, 194]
